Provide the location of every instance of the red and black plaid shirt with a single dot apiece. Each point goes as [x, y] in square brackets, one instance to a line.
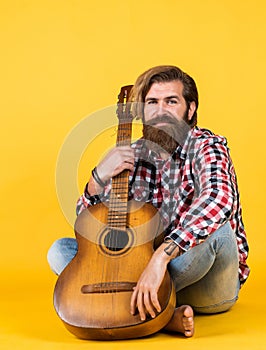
[195, 191]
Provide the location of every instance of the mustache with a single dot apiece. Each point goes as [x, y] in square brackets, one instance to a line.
[164, 118]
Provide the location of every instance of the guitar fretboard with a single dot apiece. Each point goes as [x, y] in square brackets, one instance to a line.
[117, 214]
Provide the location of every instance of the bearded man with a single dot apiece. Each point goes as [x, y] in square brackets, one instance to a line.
[187, 173]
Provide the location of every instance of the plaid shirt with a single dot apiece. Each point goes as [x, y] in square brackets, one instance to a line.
[195, 191]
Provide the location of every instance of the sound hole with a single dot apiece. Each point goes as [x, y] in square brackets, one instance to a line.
[116, 240]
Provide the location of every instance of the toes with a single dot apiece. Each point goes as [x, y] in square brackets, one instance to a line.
[182, 321]
[187, 311]
[188, 333]
[188, 329]
[188, 322]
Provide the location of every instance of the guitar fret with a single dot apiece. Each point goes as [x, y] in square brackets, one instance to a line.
[120, 187]
[118, 199]
[117, 218]
[118, 209]
[121, 221]
[117, 223]
[115, 213]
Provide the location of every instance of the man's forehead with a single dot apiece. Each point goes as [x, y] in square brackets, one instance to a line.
[165, 89]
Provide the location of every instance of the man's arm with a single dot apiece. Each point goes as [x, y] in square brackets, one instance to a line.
[216, 200]
[145, 294]
[117, 160]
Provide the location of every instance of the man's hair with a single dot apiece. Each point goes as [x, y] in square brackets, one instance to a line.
[161, 74]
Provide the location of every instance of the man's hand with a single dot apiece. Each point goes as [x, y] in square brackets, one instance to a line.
[145, 294]
[118, 159]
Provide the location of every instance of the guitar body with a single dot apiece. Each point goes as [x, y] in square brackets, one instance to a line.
[92, 295]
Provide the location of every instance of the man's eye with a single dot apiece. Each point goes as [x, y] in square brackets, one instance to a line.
[151, 102]
[172, 102]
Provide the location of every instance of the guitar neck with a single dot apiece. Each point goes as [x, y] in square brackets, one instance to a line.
[117, 214]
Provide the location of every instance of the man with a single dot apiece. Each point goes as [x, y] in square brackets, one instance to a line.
[186, 172]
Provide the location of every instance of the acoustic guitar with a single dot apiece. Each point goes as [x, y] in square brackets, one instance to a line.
[116, 240]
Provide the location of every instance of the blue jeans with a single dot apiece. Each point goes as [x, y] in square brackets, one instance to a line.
[205, 277]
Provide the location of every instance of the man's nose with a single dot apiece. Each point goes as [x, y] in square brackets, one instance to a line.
[161, 107]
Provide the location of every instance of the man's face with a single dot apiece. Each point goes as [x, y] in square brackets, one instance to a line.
[166, 99]
[166, 115]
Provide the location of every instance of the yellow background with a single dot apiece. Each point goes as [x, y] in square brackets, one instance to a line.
[62, 60]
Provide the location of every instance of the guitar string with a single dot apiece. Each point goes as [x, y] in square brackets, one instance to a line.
[120, 198]
[112, 231]
[114, 227]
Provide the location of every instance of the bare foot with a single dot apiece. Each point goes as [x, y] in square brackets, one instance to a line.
[182, 321]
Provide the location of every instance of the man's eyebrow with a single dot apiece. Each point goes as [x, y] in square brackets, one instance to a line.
[166, 98]
[151, 99]
[173, 96]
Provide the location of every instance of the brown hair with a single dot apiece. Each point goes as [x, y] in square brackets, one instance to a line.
[164, 74]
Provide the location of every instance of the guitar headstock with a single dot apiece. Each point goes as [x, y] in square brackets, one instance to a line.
[123, 104]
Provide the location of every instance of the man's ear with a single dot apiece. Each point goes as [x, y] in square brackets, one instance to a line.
[191, 110]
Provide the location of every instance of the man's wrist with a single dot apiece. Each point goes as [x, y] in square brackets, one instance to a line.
[97, 178]
[171, 248]
[166, 252]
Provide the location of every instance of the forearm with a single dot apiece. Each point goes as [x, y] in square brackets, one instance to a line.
[93, 187]
[93, 194]
[167, 251]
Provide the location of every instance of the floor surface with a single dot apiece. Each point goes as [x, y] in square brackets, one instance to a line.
[28, 321]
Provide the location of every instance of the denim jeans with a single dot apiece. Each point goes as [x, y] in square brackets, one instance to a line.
[205, 277]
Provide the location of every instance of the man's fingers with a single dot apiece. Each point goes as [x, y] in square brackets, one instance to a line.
[133, 302]
[117, 160]
[148, 304]
[141, 307]
[145, 302]
[155, 301]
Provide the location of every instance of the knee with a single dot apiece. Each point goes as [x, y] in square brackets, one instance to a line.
[55, 250]
[209, 300]
[53, 254]
[215, 308]
[61, 253]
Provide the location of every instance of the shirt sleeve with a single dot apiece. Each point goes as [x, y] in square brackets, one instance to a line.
[86, 200]
[214, 203]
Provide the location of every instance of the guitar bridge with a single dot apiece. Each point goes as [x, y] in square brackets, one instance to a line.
[108, 287]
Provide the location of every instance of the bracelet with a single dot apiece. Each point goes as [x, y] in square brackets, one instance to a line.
[97, 178]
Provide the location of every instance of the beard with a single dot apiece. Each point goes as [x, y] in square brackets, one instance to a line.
[166, 137]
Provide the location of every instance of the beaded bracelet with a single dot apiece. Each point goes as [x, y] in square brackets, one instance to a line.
[97, 178]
